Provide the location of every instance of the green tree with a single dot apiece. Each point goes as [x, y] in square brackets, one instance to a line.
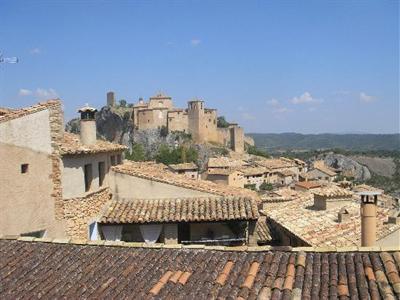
[222, 123]
[255, 151]
[266, 186]
[122, 103]
[137, 154]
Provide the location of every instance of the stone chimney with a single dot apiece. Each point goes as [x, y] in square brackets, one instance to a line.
[110, 99]
[88, 125]
[369, 201]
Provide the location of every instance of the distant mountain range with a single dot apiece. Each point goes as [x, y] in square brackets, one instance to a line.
[297, 141]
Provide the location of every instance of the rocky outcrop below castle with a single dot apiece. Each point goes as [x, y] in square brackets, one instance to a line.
[113, 124]
[349, 166]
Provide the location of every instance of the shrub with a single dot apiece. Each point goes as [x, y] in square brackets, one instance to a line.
[266, 186]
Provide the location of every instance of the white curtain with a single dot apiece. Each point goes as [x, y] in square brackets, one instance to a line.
[94, 231]
[150, 233]
[112, 232]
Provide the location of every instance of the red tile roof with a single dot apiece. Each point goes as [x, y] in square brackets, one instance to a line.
[71, 145]
[180, 210]
[157, 172]
[308, 184]
[53, 270]
[18, 113]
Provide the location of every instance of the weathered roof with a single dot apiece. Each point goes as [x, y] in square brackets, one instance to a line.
[308, 184]
[54, 270]
[72, 145]
[183, 166]
[282, 195]
[201, 209]
[252, 171]
[275, 163]
[321, 227]
[332, 191]
[225, 162]
[18, 113]
[286, 172]
[262, 230]
[157, 172]
[366, 188]
[325, 170]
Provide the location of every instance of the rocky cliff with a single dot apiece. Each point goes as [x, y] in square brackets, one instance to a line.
[349, 166]
[113, 124]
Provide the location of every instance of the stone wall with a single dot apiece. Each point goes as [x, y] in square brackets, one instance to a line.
[80, 212]
[152, 118]
[178, 121]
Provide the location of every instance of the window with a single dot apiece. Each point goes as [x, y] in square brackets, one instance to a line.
[36, 234]
[24, 168]
[102, 172]
[112, 160]
[88, 176]
[119, 159]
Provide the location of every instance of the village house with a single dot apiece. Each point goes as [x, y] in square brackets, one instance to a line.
[231, 177]
[319, 172]
[84, 178]
[49, 174]
[190, 170]
[330, 217]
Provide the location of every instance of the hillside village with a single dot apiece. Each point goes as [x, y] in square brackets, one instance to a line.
[77, 189]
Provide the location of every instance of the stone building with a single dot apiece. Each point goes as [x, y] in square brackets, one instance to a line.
[197, 120]
[51, 179]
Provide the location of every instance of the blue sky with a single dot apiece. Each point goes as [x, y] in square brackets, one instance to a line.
[272, 66]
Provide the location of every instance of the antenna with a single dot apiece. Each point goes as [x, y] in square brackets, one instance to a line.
[8, 60]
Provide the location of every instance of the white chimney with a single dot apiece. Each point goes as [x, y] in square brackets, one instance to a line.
[88, 125]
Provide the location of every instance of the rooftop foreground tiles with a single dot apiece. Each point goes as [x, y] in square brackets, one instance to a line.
[10, 114]
[120, 270]
[320, 228]
[71, 145]
[158, 172]
[201, 209]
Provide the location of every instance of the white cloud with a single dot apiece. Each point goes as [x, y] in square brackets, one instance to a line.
[24, 92]
[195, 42]
[366, 98]
[273, 102]
[281, 110]
[248, 116]
[46, 93]
[304, 98]
[35, 51]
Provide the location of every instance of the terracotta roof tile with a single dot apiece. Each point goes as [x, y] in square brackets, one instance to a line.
[308, 184]
[225, 162]
[321, 228]
[183, 166]
[11, 114]
[332, 191]
[179, 210]
[158, 173]
[72, 145]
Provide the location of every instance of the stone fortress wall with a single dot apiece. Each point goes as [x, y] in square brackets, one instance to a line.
[197, 120]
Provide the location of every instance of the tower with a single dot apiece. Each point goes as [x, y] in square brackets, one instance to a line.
[110, 99]
[196, 121]
[237, 138]
[88, 125]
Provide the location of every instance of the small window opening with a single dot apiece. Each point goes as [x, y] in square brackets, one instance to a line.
[24, 168]
[113, 160]
[119, 159]
[101, 173]
[88, 176]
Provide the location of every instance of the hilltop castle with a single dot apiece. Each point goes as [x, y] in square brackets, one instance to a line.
[196, 120]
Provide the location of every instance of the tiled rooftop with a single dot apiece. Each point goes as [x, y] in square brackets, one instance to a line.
[72, 271]
[332, 191]
[326, 170]
[308, 184]
[157, 172]
[18, 113]
[321, 228]
[253, 171]
[183, 166]
[225, 162]
[72, 145]
[275, 163]
[180, 210]
[282, 195]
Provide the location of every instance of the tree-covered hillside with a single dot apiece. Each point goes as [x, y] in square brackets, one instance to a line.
[297, 141]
